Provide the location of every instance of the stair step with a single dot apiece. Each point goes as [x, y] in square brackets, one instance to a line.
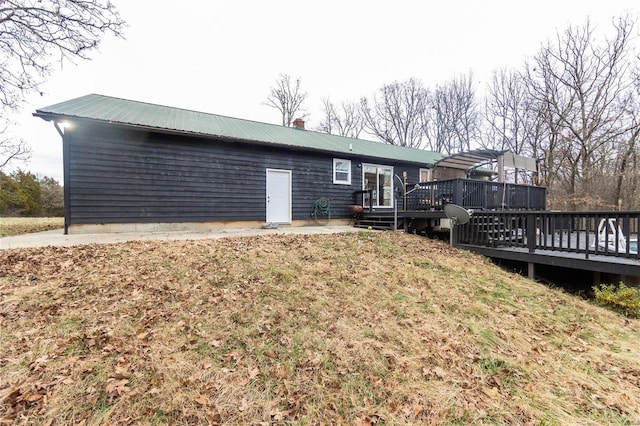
[376, 227]
[376, 222]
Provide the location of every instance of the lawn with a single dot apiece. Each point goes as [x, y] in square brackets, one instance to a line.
[359, 328]
[24, 225]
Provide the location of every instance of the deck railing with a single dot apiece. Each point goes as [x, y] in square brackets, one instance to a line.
[474, 194]
[589, 233]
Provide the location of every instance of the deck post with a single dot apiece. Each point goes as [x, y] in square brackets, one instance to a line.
[531, 273]
[395, 215]
[597, 278]
[458, 193]
[586, 244]
[531, 234]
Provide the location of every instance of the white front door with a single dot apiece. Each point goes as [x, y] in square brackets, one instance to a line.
[278, 196]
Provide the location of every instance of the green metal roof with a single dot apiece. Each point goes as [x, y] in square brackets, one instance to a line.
[140, 114]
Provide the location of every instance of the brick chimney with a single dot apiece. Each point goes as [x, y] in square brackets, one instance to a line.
[298, 123]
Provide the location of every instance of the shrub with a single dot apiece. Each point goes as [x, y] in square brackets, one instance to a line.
[620, 298]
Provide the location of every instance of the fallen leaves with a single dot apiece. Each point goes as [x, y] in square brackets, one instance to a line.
[371, 420]
[19, 399]
[116, 388]
[244, 405]
[288, 329]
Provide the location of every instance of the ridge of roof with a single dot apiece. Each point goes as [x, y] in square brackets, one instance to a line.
[144, 114]
[151, 104]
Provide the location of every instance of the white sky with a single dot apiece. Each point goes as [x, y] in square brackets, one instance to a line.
[223, 56]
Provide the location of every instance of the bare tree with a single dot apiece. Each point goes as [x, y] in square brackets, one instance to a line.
[347, 121]
[514, 120]
[395, 115]
[505, 109]
[548, 139]
[627, 169]
[627, 190]
[52, 196]
[287, 98]
[12, 149]
[32, 32]
[451, 124]
[583, 87]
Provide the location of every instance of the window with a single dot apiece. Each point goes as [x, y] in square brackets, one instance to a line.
[425, 175]
[341, 171]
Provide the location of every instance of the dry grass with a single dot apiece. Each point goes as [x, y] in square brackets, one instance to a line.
[25, 225]
[362, 328]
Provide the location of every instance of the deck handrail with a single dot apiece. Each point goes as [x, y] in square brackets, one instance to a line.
[574, 232]
[474, 194]
[363, 198]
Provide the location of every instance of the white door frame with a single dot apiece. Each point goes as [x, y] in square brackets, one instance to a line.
[278, 199]
[378, 188]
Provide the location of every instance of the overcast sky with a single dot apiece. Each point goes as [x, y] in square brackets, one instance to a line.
[223, 56]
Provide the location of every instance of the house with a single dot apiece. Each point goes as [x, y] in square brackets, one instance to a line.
[131, 165]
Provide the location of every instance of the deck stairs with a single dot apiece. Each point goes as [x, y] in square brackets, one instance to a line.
[489, 231]
[380, 221]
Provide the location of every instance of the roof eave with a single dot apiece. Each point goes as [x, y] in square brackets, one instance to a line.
[63, 117]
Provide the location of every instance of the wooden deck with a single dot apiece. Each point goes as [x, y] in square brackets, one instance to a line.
[572, 260]
[509, 222]
[544, 238]
[469, 193]
[564, 239]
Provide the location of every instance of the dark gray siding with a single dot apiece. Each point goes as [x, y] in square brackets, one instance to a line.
[125, 176]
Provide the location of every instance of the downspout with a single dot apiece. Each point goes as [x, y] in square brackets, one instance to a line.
[65, 175]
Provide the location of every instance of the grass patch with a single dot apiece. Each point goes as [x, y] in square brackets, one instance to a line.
[358, 328]
[25, 225]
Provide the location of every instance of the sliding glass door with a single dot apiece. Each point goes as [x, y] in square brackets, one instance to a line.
[378, 179]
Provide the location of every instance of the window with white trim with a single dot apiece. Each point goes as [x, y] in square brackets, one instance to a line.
[425, 175]
[341, 171]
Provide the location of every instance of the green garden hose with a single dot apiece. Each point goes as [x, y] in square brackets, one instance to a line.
[321, 211]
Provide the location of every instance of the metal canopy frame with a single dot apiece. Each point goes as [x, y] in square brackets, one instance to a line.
[470, 159]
